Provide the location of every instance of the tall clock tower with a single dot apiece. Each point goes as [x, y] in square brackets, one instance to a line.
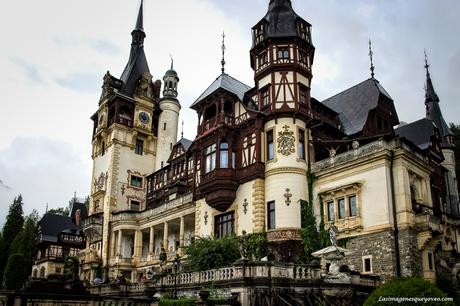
[281, 57]
[124, 144]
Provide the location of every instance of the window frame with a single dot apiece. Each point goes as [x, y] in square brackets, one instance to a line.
[136, 178]
[330, 213]
[301, 137]
[271, 215]
[210, 158]
[270, 144]
[341, 211]
[221, 224]
[367, 258]
[139, 147]
[224, 151]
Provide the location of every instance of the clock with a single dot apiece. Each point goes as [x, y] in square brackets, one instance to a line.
[144, 117]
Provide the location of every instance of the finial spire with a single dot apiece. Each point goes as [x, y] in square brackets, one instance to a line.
[172, 61]
[140, 18]
[426, 63]
[223, 53]
[370, 55]
[182, 133]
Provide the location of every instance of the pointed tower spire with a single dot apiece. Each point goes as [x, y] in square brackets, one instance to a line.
[140, 18]
[137, 63]
[371, 57]
[433, 111]
[182, 133]
[223, 53]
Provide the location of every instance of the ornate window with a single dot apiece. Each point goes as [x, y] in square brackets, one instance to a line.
[136, 181]
[210, 156]
[302, 144]
[270, 145]
[224, 224]
[97, 205]
[139, 146]
[342, 207]
[271, 215]
[223, 148]
[330, 211]
[134, 205]
[352, 206]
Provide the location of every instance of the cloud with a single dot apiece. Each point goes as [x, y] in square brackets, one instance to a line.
[44, 171]
[31, 71]
[86, 82]
[104, 46]
[3, 185]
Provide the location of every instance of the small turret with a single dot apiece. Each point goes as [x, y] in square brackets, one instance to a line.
[170, 83]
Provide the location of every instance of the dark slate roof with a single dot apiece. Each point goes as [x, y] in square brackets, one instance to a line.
[281, 19]
[51, 225]
[418, 132]
[186, 143]
[137, 63]
[225, 82]
[433, 111]
[353, 105]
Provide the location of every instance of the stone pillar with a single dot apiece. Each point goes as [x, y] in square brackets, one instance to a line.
[152, 240]
[137, 243]
[181, 236]
[119, 243]
[112, 251]
[165, 236]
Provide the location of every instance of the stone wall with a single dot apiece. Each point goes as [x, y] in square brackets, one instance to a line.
[378, 245]
[411, 257]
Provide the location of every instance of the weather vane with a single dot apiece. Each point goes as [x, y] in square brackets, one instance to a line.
[370, 55]
[172, 61]
[223, 52]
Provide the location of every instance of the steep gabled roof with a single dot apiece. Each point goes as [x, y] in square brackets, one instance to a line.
[226, 82]
[51, 225]
[137, 63]
[353, 105]
[418, 132]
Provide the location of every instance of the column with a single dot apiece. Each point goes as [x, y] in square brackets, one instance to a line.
[113, 250]
[181, 236]
[165, 236]
[151, 240]
[137, 243]
[119, 244]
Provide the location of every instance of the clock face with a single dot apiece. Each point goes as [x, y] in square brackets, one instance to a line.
[144, 117]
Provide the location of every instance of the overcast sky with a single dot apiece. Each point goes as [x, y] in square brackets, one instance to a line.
[55, 52]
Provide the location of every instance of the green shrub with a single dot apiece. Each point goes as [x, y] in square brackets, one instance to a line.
[15, 272]
[178, 302]
[210, 253]
[257, 245]
[406, 287]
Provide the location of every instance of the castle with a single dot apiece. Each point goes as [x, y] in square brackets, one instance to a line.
[390, 192]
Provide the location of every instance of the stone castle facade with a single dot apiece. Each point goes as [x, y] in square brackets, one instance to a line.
[391, 192]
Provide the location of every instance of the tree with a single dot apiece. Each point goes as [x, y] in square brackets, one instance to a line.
[24, 242]
[13, 225]
[15, 272]
[209, 253]
[406, 287]
[455, 129]
[60, 211]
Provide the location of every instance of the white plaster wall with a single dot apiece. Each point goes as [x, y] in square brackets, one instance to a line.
[170, 116]
[244, 221]
[275, 188]
[264, 81]
[375, 196]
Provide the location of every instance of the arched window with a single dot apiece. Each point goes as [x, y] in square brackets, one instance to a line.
[223, 154]
[42, 272]
[35, 273]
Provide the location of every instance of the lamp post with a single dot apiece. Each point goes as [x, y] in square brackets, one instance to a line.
[176, 264]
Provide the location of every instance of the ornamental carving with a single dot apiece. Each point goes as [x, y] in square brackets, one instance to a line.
[286, 141]
[101, 181]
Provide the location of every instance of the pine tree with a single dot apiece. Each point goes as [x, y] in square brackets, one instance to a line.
[24, 242]
[13, 225]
